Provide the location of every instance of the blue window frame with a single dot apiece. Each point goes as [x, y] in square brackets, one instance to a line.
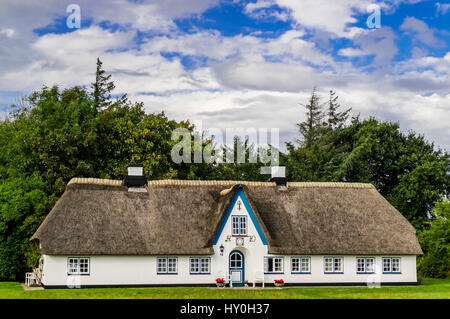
[239, 225]
[273, 265]
[391, 265]
[365, 265]
[199, 265]
[333, 265]
[300, 265]
[167, 265]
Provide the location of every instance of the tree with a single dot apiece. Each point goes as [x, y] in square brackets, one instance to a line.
[315, 159]
[63, 138]
[102, 87]
[245, 168]
[335, 118]
[310, 129]
[60, 134]
[406, 169]
[435, 242]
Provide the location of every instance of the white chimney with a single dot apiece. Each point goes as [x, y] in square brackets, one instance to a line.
[278, 175]
[278, 171]
[135, 171]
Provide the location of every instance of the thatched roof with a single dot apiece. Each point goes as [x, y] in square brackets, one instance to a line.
[101, 217]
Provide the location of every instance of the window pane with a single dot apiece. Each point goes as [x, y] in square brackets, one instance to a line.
[235, 222]
[295, 264]
[305, 264]
[205, 265]
[194, 265]
[278, 265]
[395, 264]
[243, 225]
[269, 264]
[172, 265]
[386, 265]
[161, 265]
[360, 265]
[84, 265]
[370, 265]
[328, 264]
[72, 266]
[338, 264]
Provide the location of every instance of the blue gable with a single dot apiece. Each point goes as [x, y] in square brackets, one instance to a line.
[240, 193]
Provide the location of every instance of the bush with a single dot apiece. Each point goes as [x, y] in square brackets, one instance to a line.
[435, 242]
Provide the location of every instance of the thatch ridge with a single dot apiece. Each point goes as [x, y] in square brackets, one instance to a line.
[179, 182]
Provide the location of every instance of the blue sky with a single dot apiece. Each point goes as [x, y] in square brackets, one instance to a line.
[239, 64]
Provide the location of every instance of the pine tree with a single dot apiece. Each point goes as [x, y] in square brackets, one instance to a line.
[310, 129]
[102, 87]
[336, 119]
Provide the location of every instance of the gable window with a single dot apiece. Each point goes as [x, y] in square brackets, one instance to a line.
[391, 265]
[200, 265]
[365, 265]
[333, 265]
[78, 266]
[239, 224]
[273, 264]
[300, 265]
[166, 265]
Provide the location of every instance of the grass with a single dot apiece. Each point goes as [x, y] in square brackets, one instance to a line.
[430, 288]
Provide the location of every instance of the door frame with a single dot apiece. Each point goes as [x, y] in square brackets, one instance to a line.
[241, 269]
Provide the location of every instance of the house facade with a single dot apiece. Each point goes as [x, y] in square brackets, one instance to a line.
[102, 233]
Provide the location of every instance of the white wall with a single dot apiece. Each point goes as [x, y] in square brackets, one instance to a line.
[141, 270]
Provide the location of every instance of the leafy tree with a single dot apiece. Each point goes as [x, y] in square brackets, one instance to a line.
[435, 242]
[129, 136]
[24, 204]
[63, 139]
[403, 167]
[60, 134]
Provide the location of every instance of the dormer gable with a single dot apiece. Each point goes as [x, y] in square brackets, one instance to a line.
[241, 219]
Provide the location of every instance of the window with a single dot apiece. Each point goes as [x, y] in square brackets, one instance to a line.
[391, 265]
[78, 266]
[300, 264]
[273, 264]
[172, 265]
[235, 260]
[365, 265]
[199, 265]
[333, 265]
[166, 265]
[239, 224]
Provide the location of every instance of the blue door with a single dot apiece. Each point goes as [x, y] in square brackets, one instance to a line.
[236, 262]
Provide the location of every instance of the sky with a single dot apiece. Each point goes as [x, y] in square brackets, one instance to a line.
[240, 64]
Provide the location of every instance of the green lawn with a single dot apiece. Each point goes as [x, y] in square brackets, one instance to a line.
[431, 288]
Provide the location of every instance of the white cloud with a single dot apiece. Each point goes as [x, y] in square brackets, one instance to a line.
[243, 80]
[327, 15]
[352, 52]
[421, 31]
[442, 8]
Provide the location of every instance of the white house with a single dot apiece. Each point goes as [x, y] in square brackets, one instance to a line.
[102, 233]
